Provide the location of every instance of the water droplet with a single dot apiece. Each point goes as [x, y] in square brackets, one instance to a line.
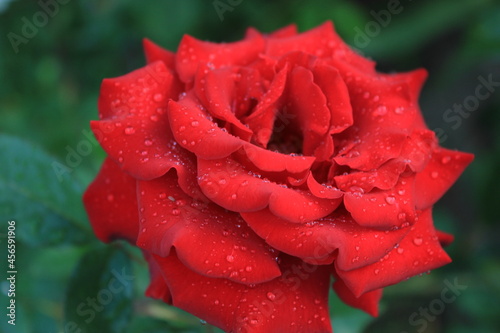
[400, 250]
[129, 130]
[416, 262]
[380, 111]
[195, 123]
[176, 212]
[230, 258]
[390, 200]
[222, 181]
[434, 174]
[148, 142]
[248, 268]
[158, 97]
[446, 159]
[110, 197]
[162, 195]
[271, 296]
[376, 271]
[418, 241]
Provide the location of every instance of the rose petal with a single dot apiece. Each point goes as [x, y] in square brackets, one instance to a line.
[261, 120]
[111, 204]
[444, 238]
[231, 186]
[383, 209]
[383, 178]
[440, 173]
[419, 252]
[157, 287]
[333, 87]
[192, 52]
[334, 237]
[367, 302]
[198, 134]
[308, 103]
[154, 53]
[134, 130]
[318, 41]
[295, 302]
[220, 86]
[207, 239]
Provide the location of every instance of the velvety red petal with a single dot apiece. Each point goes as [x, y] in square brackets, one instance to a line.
[322, 191]
[337, 95]
[288, 31]
[383, 209]
[270, 161]
[220, 87]
[156, 53]
[135, 129]
[111, 204]
[419, 252]
[444, 238]
[231, 186]
[296, 302]
[367, 302]
[372, 150]
[308, 104]
[261, 120]
[192, 52]
[336, 236]
[384, 178]
[194, 131]
[157, 287]
[318, 41]
[207, 239]
[440, 173]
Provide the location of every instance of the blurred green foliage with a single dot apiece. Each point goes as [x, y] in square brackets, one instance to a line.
[48, 92]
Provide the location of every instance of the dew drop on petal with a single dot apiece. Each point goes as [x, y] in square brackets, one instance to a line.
[446, 159]
[129, 130]
[230, 258]
[158, 97]
[418, 241]
[271, 296]
[390, 200]
[434, 174]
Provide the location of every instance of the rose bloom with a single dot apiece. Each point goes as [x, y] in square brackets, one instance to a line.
[252, 174]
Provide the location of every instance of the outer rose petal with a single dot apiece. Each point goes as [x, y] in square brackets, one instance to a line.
[319, 242]
[367, 302]
[383, 209]
[134, 130]
[192, 52]
[156, 53]
[442, 171]
[157, 287]
[111, 204]
[419, 252]
[296, 302]
[229, 185]
[208, 239]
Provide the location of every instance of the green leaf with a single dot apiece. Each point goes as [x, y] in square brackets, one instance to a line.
[45, 204]
[99, 294]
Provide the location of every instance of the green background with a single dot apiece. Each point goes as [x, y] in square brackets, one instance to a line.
[48, 91]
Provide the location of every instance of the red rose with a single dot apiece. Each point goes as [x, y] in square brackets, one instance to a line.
[252, 172]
